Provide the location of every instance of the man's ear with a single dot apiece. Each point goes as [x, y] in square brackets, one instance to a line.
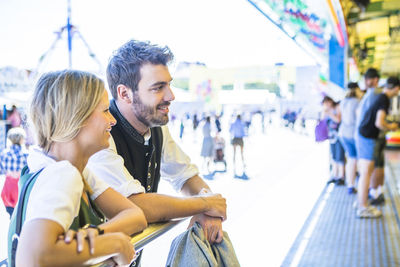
[124, 93]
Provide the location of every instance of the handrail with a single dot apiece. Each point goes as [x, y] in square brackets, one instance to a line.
[153, 231]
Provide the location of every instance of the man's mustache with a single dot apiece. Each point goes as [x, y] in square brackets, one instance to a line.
[166, 103]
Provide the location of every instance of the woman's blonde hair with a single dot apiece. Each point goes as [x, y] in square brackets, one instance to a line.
[61, 103]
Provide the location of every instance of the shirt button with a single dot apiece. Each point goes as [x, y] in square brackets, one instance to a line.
[148, 175]
[148, 188]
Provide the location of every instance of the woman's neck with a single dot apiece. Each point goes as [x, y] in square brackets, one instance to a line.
[71, 152]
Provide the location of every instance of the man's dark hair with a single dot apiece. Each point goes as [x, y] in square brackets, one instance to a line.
[371, 73]
[392, 82]
[125, 63]
[352, 85]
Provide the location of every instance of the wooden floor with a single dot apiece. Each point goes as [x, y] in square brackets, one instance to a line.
[334, 236]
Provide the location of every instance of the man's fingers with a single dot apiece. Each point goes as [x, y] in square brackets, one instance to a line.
[213, 235]
[206, 232]
[220, 236]
[192, 221]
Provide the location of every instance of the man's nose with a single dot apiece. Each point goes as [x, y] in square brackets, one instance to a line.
[169, 95]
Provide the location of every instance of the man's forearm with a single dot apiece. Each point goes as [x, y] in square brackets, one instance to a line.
[157, 207]
[194, 185]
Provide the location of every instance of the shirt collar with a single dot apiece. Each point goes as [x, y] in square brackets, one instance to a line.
[147, 137]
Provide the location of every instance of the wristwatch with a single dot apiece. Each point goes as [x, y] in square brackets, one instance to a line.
[99, 230]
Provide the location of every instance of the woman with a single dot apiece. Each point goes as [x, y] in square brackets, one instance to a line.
[348, 107]
[70, 113]
[331, 113]
[207, 147]
[12, 160]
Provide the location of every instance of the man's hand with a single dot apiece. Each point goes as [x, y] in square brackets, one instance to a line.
[216, 205]
[393, 126]
[212, 227]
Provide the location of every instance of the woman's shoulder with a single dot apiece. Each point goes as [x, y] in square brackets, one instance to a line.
[61, 173]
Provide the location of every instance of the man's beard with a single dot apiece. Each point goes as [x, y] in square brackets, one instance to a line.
[147, 114]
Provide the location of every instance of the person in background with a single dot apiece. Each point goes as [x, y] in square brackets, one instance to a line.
[219, 149]
[15, 117]
[70, 113]
[181, 128]
[218, 123]
[373, 111]
[331, 112]
[348, 107]
[237, 130]
[12, 160]
[195, 122]
[207, 147]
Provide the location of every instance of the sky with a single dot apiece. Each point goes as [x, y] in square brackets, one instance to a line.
[219, 33]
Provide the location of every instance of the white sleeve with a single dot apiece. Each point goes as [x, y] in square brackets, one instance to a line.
[109, 167]
[56, 194]
[97, 185]
[176, 167]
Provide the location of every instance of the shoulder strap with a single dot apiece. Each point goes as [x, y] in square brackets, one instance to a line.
[23, 200]
[19, 216]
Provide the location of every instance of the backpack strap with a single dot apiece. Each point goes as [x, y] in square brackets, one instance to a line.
[20, 209]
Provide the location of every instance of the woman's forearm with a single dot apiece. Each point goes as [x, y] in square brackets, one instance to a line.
[129, 221]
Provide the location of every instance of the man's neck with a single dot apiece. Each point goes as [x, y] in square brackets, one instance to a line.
[126, 111]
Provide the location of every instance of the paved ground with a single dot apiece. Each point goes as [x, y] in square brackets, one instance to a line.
[333, 236]
[286, 171]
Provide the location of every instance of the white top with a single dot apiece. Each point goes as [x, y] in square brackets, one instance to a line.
[176, 167]
[57, 192]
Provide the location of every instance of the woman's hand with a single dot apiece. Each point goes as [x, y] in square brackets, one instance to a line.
[90, 234]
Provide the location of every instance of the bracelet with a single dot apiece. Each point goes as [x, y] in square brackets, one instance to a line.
[205, 191]
[93, 226]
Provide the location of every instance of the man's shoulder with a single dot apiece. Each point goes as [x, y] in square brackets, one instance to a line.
[382, 98]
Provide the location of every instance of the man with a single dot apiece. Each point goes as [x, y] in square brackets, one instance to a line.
[371, 78]
[237, 130]
[374, 109]
[142, 148]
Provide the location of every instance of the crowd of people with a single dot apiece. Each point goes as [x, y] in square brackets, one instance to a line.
[98, 163]
[213, 143]
[357, 127]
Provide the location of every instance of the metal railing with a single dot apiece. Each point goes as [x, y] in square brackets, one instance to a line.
[140, 240]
